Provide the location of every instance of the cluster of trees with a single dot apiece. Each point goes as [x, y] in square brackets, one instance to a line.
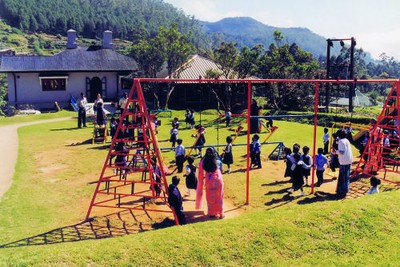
[128, 19]
[279, 61]
[168, 46]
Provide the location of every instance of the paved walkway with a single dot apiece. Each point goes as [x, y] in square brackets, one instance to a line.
[9, 151]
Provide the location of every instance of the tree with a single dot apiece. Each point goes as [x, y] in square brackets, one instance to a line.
[176, 49]
[168, 46]
[226, 56]
[150, 58]
[288, 62]
[248, 61]
[278, 37]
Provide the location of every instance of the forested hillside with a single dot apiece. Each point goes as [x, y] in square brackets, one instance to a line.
[249, 32]
[128, 19]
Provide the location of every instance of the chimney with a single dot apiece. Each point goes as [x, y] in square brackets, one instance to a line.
[107, 40]
[71, 39]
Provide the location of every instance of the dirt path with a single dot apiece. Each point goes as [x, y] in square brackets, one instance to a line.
[9, 154]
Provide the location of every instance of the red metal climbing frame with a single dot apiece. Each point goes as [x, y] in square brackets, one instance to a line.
[133, 172]
[381, 155]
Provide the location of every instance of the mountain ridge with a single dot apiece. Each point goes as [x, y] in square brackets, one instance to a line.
[253, 32]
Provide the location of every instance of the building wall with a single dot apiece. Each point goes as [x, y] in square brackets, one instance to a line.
[29, 90]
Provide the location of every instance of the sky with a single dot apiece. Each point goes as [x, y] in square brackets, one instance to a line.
[374, 24]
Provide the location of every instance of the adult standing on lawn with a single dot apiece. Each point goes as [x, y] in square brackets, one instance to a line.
[345, 160]
[82, 102]
[210, 176]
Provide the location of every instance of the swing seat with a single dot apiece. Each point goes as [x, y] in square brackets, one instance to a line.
[100, 133]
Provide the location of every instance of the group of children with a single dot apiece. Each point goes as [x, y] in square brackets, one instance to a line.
[298, 167]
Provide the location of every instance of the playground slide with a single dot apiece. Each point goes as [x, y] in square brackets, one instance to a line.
[359, 136]
[357, 140]
[73, 103]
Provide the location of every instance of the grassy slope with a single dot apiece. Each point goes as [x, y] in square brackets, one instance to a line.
[50, 190]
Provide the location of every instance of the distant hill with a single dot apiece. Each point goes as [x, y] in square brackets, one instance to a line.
[247, 31]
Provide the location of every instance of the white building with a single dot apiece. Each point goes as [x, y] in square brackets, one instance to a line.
[39, 81]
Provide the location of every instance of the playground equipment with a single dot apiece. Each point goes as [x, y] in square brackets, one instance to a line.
[356, 140]
[133, 174]
[144, 178]
[100, 133]
[381, 155]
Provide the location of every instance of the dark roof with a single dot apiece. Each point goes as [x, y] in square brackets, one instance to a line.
[78, 59]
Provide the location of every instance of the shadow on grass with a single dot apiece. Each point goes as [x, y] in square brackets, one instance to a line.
[318, 197]
[121, 223]
[86, 142]
[112, 225]
[65, 129]
[279, 202]
[277, 183]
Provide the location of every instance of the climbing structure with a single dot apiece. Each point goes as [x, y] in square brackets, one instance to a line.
[133, 177]
[381, 155]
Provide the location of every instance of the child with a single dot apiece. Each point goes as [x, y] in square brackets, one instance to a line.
[297, 169]
[228, 115]
[156, 177]
[375, 182]
[296, 149]
[191, 178]
[288, 161]
[192, 121]
[174, 135]
[228, 157]
[113, 126]
[334, 161]
[175, 200]
[179, 155]
[326, 141]
[320, 162]
[121, 160]
[175, 123]
[255, 152]
[187, 118]
[201, 139]
[307, 163]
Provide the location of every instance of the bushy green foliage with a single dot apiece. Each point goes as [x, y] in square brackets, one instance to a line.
[91, 18]
[3, 94]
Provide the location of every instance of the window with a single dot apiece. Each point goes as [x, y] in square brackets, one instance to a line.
[53, 84]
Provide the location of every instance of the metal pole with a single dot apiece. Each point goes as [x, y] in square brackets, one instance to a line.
[248, 142]
[328, 68]
[315, 134]
[351, 86]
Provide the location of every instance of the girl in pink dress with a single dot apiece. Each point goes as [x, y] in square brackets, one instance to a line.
[210, 176]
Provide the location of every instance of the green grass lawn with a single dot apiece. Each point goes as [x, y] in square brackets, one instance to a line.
[41, 215]
[30, 118]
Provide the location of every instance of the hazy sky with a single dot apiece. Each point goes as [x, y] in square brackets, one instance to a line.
[375, 24]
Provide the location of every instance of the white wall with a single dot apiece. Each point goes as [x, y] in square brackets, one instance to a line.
[29, 89]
